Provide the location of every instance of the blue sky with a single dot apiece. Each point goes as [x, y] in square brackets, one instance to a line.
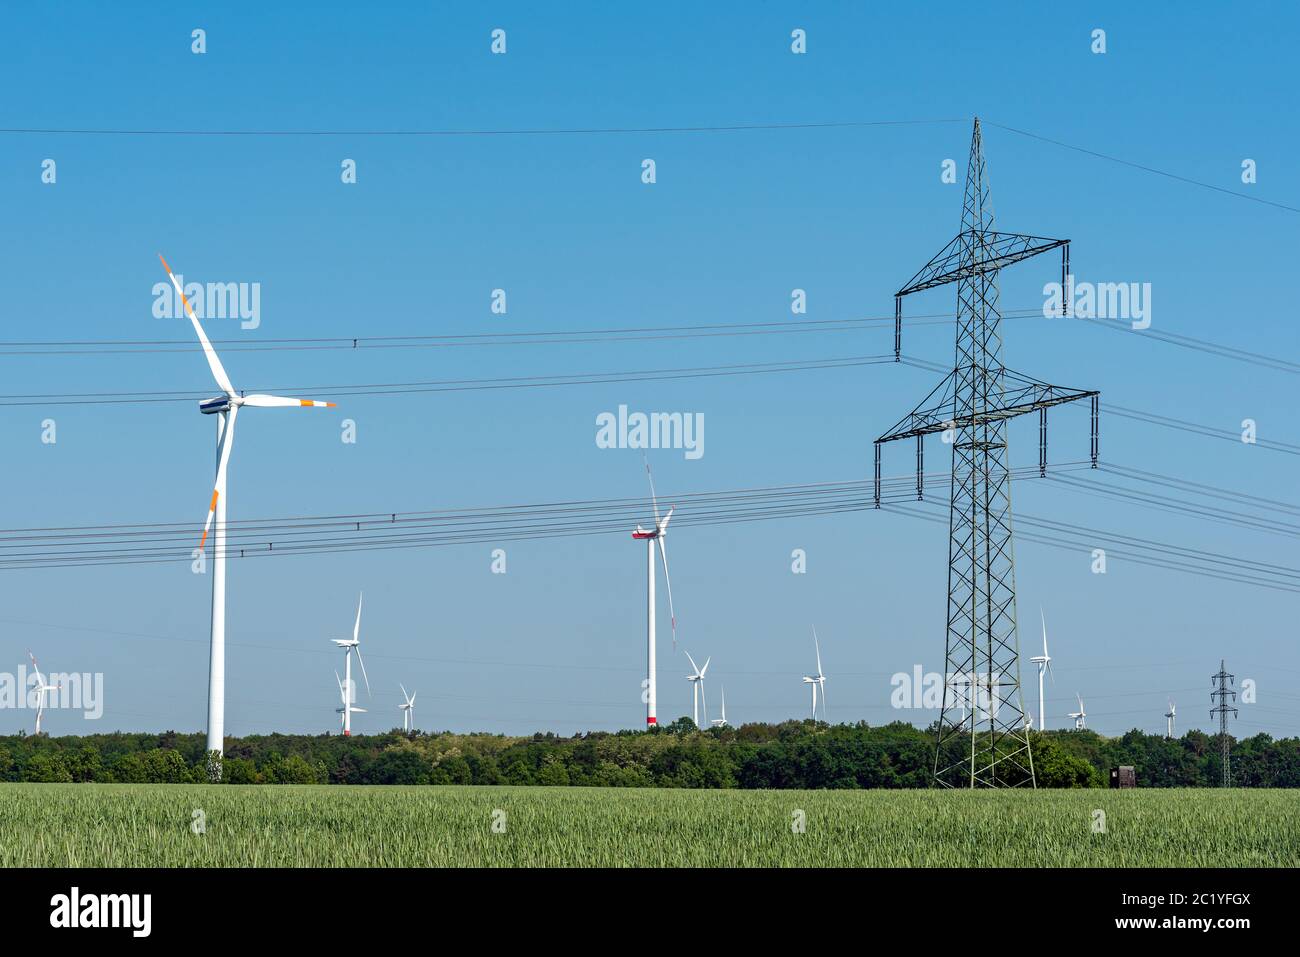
[563, 223]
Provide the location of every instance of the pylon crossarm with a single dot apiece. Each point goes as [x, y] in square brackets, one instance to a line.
[991, 251]
[940, 415]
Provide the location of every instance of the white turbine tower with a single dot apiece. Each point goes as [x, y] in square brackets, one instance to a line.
[1044, 662]
[346, 687]
[225, 406]
[1080, 717]
[697, 688]
[721, 722]
[1170, 715]
[650, 537]
[818, 681]
[408, 709]
[41, 688]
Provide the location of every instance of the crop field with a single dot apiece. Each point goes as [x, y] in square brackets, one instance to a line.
[132, 825]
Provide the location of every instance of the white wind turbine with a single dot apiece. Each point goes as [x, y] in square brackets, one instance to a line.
[346, 688]
[697, 688]
[1170, 715]
[226, 406]
[41, 688]
[650, 537]
[1044, 662]
[408, 709]
[721, 722]
[818, 681]
[1080, 717]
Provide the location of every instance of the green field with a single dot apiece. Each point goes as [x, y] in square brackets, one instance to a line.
[145, 825]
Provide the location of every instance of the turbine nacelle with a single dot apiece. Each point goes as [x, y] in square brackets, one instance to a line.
[220, 403]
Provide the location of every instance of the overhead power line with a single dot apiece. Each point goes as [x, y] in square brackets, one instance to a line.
[1147, 169]
[521, 131]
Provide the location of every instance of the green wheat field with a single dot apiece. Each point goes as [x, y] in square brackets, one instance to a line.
[167, 825]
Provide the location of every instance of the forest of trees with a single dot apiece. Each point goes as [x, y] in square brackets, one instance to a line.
[795, 754]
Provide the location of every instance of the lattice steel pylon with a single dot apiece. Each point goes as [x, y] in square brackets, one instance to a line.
[987, 743]
[1225, 696]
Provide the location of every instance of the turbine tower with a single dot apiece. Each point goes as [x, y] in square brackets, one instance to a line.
[817, 681]
[1044, 662]
[650, 537]
[697, 688]
[1169, 715]
[349, 645]
[408, 710]
[41, 689]
[972, 405]
[225, 406]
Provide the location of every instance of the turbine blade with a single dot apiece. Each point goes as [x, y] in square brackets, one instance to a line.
[706, 665]
[356, 628]
[218, 372]
[219, 486]
[818, 645]
[405, 697]
[663, 554]
[1044, 618]
[280, 402]
[363, 671]
[653, 499]
[694, 666]
[663, 526]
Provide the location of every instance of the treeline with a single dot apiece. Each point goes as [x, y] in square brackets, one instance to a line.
[795, 754]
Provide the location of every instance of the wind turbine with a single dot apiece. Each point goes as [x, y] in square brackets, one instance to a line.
[1044, 662]
[40, 689]
[697, 688]
[818, 681]
[225, 406]
[408, 709]
[650, 538]
[1080, 717]
[1170, 714]
[350, 645]
[721, 722]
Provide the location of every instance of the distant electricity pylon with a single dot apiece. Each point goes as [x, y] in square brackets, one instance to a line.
[1225, 696]
[971, 407]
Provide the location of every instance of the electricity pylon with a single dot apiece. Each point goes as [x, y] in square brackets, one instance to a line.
[987, 745]
[1225, 695]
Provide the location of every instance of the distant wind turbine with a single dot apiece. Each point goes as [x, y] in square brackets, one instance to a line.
[350, 645]
[818, 681]
[348, 708]
[1080, 717]
[650, 537]
[1044, 662]
[41, 688]
[226, 406]
[408, 709]
[697, 688]
[721, 722]
[1170, 714]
